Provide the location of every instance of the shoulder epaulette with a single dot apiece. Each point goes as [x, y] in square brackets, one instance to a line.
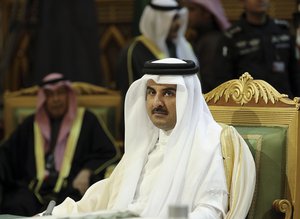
[232, 31]
[282, 23]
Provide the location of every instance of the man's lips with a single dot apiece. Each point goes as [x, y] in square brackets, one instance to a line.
[57, 107]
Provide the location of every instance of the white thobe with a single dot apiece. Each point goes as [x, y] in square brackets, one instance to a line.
[149, 174]
[148, 178]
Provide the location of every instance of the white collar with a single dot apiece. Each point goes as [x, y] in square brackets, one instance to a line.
[163, 136]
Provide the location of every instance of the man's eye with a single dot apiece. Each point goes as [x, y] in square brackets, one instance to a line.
[150, 92]
[169, 93]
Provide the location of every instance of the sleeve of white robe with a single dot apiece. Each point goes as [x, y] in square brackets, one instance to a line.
[93, 200]
[243, 177]
[212, 202]
[96, 198]
[242, 185]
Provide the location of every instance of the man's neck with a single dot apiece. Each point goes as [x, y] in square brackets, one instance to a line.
[256, 18]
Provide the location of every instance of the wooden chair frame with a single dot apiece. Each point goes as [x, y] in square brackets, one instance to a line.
[236, 101]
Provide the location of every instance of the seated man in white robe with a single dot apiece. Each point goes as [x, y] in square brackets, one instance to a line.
[172, 152]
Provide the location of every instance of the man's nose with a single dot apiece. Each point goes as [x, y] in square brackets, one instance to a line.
[158, 101]
[55, 96]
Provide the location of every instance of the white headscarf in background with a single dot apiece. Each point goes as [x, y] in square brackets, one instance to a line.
[155, 25]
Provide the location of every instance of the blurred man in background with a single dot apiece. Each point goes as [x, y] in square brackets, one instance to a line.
[56, 152]
[207, 21]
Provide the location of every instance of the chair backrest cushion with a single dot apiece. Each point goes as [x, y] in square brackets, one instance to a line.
[268, 147]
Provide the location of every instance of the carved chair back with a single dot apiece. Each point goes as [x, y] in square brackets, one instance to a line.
[269, 123]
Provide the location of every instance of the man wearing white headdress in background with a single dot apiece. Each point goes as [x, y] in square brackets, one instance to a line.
[162, 25]
[172, 153]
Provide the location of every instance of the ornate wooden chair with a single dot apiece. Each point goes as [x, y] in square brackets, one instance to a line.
[105, 103]
[269, 123]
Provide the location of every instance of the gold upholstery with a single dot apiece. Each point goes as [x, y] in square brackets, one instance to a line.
[255, 108]
[105, 103]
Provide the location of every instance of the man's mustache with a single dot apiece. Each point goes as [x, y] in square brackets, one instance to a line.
[160, 110]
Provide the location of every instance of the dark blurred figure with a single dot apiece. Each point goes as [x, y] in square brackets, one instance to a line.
[207, 20]
[57, 152]
[66, 40]
[262, 46]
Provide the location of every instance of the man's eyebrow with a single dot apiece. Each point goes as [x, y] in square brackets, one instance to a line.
[170, 88]
[167, 88]
[149, 87]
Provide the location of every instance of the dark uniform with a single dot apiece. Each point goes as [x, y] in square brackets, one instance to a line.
[266, 51]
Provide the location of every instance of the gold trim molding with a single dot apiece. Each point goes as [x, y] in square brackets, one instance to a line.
[244, 90]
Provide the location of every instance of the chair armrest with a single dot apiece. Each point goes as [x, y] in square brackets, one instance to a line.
[283, 206]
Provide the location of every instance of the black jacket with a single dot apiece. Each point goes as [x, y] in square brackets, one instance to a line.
[266, 51]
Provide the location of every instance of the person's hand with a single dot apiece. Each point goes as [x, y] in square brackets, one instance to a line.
[82, 180]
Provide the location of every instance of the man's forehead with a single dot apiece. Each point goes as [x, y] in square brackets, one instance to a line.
[153, 83]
